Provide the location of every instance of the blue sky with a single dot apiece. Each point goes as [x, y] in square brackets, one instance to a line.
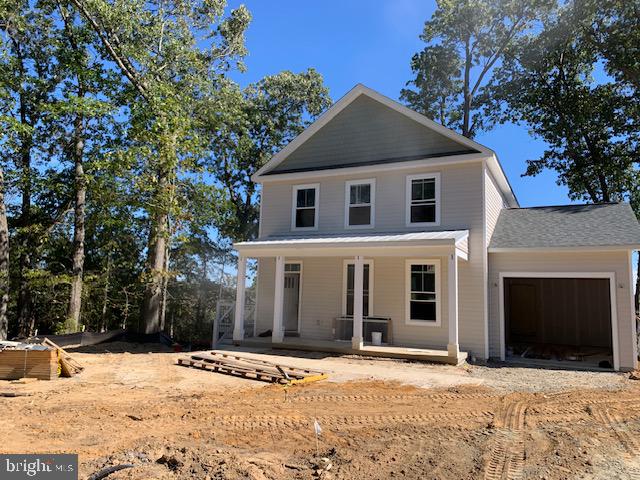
[371, 42]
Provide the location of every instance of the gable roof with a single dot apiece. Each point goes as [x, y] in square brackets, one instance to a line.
[452, 147]
[566, 227]
[367, 132]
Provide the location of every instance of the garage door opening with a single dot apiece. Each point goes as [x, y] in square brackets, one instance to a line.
[562, 321]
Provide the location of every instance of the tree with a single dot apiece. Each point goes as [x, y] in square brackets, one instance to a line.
[465, 42]
[4, 263]
[590, 126]
[547, 82]
[260, 120]
[613, 27]
[157, 46]
[28, 79]
[80, 111]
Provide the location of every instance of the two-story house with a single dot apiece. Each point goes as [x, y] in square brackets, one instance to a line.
[377, 219]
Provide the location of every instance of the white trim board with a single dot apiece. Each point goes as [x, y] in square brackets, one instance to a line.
[372, 203]
[632, 280]
[294, 206]
[587, 248]
[407, 291]
[407, 201]
[611, 276]
[364, 170]
[354, 93]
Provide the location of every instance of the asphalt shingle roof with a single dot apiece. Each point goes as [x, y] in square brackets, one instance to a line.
[609, 224]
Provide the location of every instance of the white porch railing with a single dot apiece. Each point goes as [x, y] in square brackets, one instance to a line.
[224, 320]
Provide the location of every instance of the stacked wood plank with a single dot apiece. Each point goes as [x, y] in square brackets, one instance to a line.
[68, 366]
[28, 363]
[251, 368]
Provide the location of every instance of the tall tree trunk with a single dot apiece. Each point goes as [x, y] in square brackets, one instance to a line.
[152, 301]
[4, 263]
[466, 109]
[26, 320]
[75, 300]
[105, 295]
[165, 286]
[158, 238]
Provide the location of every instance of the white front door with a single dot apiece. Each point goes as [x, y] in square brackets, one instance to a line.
[291, 297]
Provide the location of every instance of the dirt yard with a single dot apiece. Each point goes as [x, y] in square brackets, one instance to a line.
[380, 419]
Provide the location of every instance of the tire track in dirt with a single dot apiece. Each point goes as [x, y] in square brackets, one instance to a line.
[507, 457]
[391, 397]
[629, 442]
[567, 412]
[300, 421]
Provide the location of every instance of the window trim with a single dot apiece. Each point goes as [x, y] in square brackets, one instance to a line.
[346, 262]
[294, 207]
[372, 204]
[422, 176]
[407, 293]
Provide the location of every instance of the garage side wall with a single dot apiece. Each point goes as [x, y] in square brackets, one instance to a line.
[616, 262]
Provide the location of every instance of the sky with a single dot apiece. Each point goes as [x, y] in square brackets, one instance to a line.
[372, 42]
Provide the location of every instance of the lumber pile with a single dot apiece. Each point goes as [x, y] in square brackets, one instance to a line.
[44, 361]
[68, 366]
[251, 368]
[41, 363]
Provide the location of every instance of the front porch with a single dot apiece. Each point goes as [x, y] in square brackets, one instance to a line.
[345, 348]
[401, 288]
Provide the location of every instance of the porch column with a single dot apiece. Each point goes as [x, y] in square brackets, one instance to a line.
[453, 347]
[238, 325]
[358, 288]
[278, 329]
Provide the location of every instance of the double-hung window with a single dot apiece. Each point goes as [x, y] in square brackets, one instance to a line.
[423, 199]
[423, 292]
[359, 209]
[304, 215]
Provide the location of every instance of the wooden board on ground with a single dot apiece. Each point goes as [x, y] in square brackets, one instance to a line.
[68, 366]
[251, 368]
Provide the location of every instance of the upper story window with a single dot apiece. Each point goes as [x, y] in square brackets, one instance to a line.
[359, 209]
[304, 214]
[423, 199]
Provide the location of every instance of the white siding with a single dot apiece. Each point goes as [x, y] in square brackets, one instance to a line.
[461, 194]
[322, 295]
[617, 262]
[494, 203]
[461, 208]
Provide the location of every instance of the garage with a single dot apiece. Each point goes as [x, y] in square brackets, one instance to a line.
[559, 319]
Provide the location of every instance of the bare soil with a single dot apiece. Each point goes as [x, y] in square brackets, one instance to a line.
[436, 422]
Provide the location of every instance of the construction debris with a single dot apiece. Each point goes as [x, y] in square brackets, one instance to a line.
[251, 368]
[68, 366]
[46, 361]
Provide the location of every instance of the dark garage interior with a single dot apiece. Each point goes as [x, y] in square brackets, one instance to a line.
[559, 320]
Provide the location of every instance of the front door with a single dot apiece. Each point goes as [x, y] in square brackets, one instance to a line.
[291, 300]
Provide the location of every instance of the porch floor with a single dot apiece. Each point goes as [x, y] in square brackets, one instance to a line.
[387, 351]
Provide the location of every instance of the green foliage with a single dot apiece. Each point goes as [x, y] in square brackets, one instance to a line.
[465, 41]
[168, 147]
[589, 126]
[254, 124]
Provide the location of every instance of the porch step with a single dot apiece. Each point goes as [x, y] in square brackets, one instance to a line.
[405, 353]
